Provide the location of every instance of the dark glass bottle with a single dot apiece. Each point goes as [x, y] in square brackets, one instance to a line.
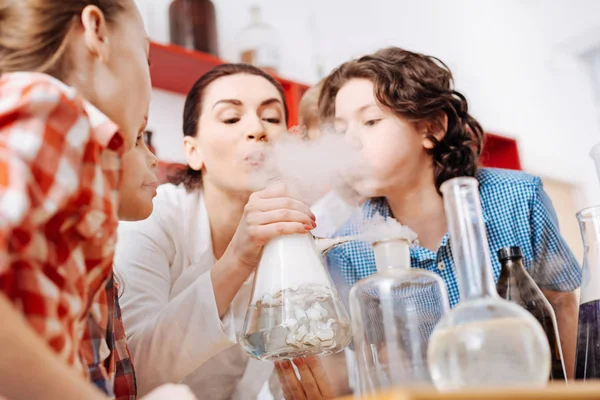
[587, 355]
[516, 285]
[193, 25]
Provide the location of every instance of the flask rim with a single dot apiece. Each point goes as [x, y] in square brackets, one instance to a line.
[459, 182]
[510, 253]
[588, 213]
[390, 239]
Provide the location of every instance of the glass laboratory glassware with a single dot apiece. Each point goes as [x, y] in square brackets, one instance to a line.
[393, 313]
[516, 285]
[485, 341]
[587, 356]
[294, 310]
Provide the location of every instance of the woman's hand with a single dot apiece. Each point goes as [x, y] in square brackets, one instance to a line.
[269, 213]
[313, 383]
[170, 391]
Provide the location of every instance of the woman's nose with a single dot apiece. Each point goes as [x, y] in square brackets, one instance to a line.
[256, 130]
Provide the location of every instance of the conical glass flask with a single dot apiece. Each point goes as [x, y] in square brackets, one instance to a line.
[393, 313]
[587, 359]
[515, 284]
[294, 310]
[484, 340]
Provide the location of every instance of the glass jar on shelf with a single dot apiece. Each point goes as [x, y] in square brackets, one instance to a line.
[258, 43]
[193, 25]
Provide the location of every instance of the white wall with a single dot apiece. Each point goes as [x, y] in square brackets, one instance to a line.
[511, 58]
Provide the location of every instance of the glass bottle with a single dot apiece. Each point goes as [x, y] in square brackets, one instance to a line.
[587, 358]
[484, 340]
[294, 309]
[193, 25]
[393, 313]
[515, 284]
[258, 43]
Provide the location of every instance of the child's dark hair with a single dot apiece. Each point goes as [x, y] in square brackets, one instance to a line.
[191, 178]
[419, 88]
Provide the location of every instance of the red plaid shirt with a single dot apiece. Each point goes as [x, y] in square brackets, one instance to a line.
[59, 176]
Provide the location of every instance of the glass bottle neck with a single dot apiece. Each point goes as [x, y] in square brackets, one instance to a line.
[468, 238]
[392, 254]
[255, 18]
[513, 265]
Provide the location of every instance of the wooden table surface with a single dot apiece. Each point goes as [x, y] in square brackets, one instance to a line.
[553, 391]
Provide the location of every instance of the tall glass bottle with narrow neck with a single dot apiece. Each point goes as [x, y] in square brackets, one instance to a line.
[587, 359]
[485, 341]
[393, 313]
[516, 285]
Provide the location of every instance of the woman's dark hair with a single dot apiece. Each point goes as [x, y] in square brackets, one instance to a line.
[191, 178]
[419, 88]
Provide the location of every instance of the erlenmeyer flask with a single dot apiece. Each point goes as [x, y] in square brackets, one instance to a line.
[587, 359]
[294, 310]
[484, 340]
[393, 313]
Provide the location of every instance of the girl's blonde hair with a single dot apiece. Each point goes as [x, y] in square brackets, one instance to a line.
[309, 105]
[34, 33]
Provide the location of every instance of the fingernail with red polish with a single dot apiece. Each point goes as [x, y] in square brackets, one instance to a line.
[307, 227]
[286, 364]
[298, 362]
[313, 217]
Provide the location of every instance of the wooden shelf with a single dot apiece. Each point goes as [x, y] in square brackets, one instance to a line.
[176, 69]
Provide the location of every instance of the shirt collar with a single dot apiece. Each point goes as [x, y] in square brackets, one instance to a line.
[380, 206]
[104, 131]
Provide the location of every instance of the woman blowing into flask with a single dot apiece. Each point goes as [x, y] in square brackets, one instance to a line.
[74, 95]
[188, 268]
[401, 109]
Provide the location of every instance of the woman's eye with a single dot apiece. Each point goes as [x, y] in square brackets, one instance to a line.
[139, 140]
[372, 122]
[272, 120]
[231, 120]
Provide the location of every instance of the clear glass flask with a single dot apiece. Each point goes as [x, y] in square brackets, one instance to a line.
[587, 359]
[393, 313]
[485, 341]
[294, 310]
[516, 285]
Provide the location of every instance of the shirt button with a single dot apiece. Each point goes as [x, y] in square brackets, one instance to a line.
[441, 266]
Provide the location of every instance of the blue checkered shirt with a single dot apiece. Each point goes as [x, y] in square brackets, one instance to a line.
[516, 211]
